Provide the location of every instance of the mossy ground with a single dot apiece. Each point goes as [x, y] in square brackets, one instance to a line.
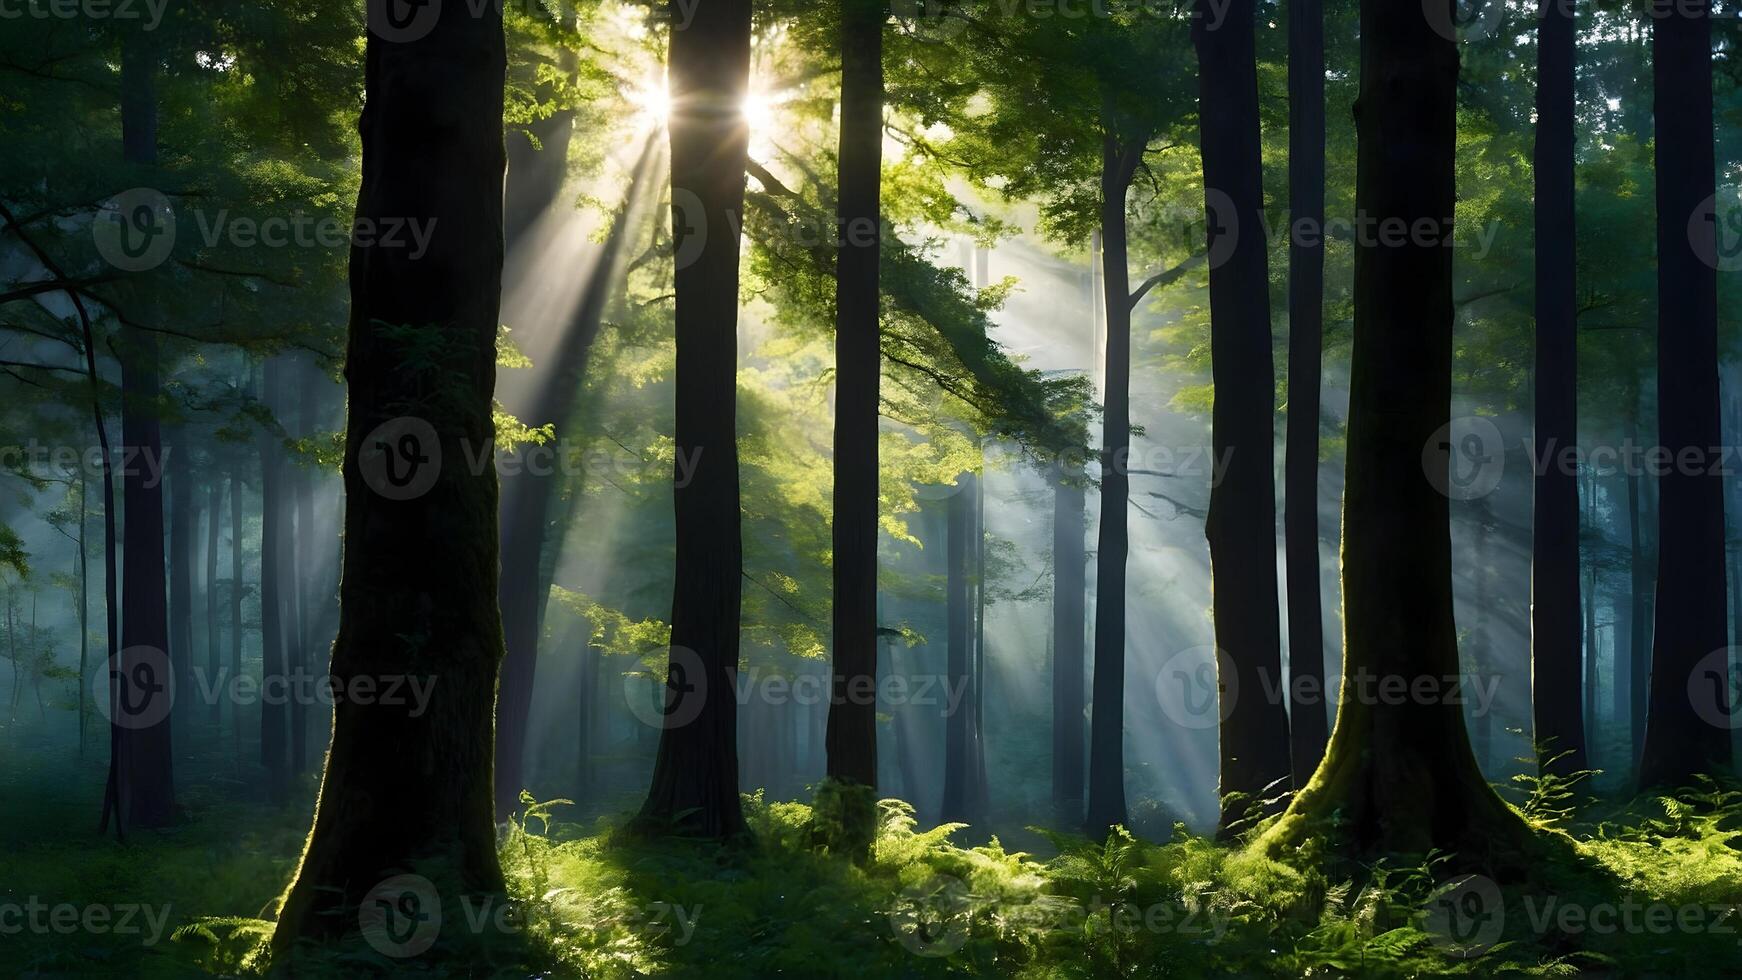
[1648, 888]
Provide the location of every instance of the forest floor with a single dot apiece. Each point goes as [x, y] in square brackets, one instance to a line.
[1657, 892]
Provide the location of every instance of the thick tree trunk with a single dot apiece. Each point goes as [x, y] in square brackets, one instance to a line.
[695, 776]
[1241, 526]
[1400, 777]
[1308, 726]
[1106, 805]
[1068, 612]
[407, 786]
[852, 724]
[1681, 740]
[1554, 621]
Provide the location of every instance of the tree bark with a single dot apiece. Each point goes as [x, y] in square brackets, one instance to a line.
[958, 796]
[236, 598]
[407, 786]
[1308, 726]
[852, 722]
[1400, 778]
[1241, 526]
[1554, 623]
[695, 775]
[182, 520]
[1106, 804]
[214, 638]
[1691, 621]
[274, 657]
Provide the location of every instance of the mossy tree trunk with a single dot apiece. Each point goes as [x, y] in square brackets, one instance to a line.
[695, 775]
[1399, 775]
[407, 786]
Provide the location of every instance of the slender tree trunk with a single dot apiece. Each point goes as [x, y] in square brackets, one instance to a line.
[300, 568]
[1691, 630]
[1242, 520]
[181, 555]
[236, 597]
[84, 613]
[214, 636]
[1639, 660]
[1068, 613]
[274, 658]
[1106, 805]
[1400, 778]
[958, 797]
[852, 724]
[1554, 623]
[407, 786]
[695, 776]
[1308, 726]
[979, 801]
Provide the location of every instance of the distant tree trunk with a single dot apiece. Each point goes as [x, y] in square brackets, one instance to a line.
[1106, 805]
[852, 723]
[407, 785]
[587, 697]
[181, 556]
[274, 658]
[148, 753]
[1307, 723]
[84, 612]
[1068, 613]
[1242, 520]
[1400, 778]
[1639, 659]
[695, 776]
[214, 637]
[301, 566]
[958, 796]
[1691, 622]
[1481, 650]
[979, 801]
[1554, 624]
[236, 597]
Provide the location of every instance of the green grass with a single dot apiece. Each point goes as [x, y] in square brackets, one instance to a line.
[590, 901]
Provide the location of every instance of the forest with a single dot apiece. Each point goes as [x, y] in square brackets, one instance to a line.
[889, 488]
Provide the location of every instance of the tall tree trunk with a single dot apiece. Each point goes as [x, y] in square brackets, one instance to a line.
[958, 796]
[1068, 612]
[1241, 526]
[182, 510]
[84, 612]
[1400, 777]
[1639, 656]
[1692, 628]
[852, 723]
[1106, 805]
[235, 596]
[274, 657]
[407, 785]
[214, 636]
[1307, 724]
[695, 776]
[1554, 621]
[145, 641]
[300, 566]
